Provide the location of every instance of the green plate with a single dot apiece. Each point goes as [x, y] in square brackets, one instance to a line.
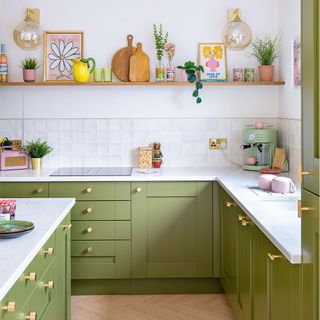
[14, 228]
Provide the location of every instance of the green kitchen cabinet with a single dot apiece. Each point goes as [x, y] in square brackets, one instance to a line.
[310, 256]
[310, 94]
[23, 190]
[171, 229]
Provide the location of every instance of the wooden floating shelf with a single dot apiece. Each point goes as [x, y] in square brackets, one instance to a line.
[128, 84]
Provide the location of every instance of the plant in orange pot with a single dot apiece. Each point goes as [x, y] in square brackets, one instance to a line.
[265, 51]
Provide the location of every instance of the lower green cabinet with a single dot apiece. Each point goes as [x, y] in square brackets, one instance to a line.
[171, 229]
[24, 190]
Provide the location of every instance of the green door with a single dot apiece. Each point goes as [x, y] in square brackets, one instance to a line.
[171, 229]
[310, 94]
[310, 256]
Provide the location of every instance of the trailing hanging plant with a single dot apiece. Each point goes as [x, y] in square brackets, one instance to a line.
[38, 148]
[193, 71]
[30, 64]
[266, 51]
[160, 40]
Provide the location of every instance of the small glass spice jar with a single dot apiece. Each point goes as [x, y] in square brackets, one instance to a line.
[7, 209]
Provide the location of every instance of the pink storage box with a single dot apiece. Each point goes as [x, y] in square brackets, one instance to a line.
[14, 160]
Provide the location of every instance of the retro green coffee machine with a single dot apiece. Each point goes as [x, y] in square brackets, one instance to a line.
[259, 146]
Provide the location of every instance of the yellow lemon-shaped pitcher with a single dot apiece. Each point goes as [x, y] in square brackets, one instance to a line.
[82, 70]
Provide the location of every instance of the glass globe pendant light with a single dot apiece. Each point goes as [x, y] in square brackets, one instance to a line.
[236, 34]
[28, 34]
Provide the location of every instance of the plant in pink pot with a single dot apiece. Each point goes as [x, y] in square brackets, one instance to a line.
[29, 67]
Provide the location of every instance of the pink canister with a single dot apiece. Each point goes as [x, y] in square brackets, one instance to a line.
[283, 185]
[265, 181]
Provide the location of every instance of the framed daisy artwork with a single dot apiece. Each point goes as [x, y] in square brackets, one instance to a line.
[59, 48]
[212, 56]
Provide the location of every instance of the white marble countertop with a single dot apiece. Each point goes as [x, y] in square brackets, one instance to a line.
[275, 215]
[17, 253]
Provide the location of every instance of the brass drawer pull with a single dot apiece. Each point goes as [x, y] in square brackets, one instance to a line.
[89, 249]
[273, 257]
[88, 190]
[241, 217]
[245, 222]
[302, 209]
[49, 285]
[88, 210]
[230, 204]
[49, 252]
[66, 226]
[10, 307]
[32, 316]
[32, 277]
[302, 173]
[139, 189]
[89, 229]
[39, 190]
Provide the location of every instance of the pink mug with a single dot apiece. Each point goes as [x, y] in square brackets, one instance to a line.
[265, 181]
[283, 185]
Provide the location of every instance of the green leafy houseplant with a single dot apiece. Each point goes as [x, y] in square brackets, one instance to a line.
[38, 148]
[193, 72]
[30, 64]
[265, 50]
[160, 40]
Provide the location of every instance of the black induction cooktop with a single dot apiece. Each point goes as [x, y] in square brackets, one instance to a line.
[92, 171]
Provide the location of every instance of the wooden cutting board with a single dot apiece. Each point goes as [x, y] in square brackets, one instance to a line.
[279, 158]
[139, 66]
[121, 60]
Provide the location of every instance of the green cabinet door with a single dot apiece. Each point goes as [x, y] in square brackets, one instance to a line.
[171, 229]
[310, 94]
[310, 256]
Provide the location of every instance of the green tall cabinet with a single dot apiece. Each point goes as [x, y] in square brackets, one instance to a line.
[172, 229]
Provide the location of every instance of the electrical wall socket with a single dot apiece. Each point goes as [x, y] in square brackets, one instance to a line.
[218, 144]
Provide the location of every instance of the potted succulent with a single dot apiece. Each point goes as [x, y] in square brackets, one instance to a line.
[193, 73]
[266, 51]
[37, 149]
[30, 66]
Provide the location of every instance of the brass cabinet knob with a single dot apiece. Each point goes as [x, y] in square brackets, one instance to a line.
[139, 189]
[32, 316]
[49, 285]
[230, 204]
[32, 277]
[39, 190]
[89, 229]
[245, 222]
[241, 217]
[302, 209]
[49, 252]
[66, 226]
[89, 249]
[88, 190]
[89, 210]
[273, 257]
[302, 173]
[10, 307]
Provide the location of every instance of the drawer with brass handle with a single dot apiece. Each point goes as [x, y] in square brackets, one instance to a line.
[101, 230]
[93, 248]
[101, 210]
[24, 190]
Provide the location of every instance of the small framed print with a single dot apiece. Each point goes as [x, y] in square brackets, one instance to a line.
[59, 48]
[212, 56]
[296, 61]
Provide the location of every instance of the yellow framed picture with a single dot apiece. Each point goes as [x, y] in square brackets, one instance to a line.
[59, 47]
[212, 56]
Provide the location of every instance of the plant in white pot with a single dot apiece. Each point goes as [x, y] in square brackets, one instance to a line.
[29, 67]
[265, 51]
[37, 149]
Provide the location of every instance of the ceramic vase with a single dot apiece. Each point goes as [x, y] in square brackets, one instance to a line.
[36, 163]
[29, 75]
[266, 73]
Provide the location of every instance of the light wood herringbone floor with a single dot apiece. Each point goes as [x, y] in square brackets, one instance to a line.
[151, 307]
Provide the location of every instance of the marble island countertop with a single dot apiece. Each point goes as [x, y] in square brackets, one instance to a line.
[275, 215]
[17, 253]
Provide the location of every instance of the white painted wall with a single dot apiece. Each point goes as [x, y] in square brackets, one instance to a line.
[106, 25]
[290, 27]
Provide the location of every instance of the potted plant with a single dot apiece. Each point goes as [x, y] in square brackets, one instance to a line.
[30, 66]
[266, 51]
[37, 149]
[193, 72]
[160, 40]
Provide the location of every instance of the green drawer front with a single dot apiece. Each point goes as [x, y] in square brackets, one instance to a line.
[91, 190]
[101, 230]
[108, 260]
[23, 190]
[171, 189]
[101, 210]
